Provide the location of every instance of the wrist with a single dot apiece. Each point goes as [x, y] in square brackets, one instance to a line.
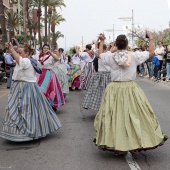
[11, 50]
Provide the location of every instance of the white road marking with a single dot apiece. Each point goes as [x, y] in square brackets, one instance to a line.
[131, 162]
[5, 167]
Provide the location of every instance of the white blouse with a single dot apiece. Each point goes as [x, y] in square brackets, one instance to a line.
[76, 60]
[101, 65]
[122, 73]
[24, 71]
[48, 64]
[85, 56]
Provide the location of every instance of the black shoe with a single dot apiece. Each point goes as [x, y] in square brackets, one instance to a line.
[54, 109]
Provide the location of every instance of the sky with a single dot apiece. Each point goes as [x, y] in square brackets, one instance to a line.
[88, 18]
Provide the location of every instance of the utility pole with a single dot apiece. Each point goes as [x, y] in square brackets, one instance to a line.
[65, 45]
[132, 27]
[113, 33]
[82, 44]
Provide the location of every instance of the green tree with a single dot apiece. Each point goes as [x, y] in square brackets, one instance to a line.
[141, 42]
[56, 19]
[71, 50]
[3, 23]
[49, 7]
[56, 36]
[14, 20]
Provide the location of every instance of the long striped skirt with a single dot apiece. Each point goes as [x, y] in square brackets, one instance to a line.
[28, 114]
[86, 75]
[74, 76]
[51, 88]
[94, 93]
[62, 78]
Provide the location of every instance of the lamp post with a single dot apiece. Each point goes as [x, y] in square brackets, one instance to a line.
[130, 19]
[65, 45]
[112, 30]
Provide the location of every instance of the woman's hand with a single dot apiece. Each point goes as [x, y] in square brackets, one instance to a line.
[149, 34]
[102, 37]
[55, 56]
[10, 46]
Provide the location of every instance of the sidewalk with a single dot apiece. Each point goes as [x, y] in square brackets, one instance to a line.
[165, 83]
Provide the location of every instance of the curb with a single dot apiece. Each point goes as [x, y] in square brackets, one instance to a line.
[164, 83]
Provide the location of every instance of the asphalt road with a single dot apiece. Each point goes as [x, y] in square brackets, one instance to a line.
[72, 147]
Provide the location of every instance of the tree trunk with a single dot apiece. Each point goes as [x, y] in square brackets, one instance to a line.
[53, 39]
[49, 27]
[45, 39]
[39, 26]
[3, 23]
[25, 2]
[35, 40]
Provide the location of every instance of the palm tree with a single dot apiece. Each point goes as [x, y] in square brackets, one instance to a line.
[56, 36]
[50, 4]
[3, 22]
[13, 21]
[52, 8]
[25, 16]
[35, 29]
[38, 4]
[49, 7]
[56, 18]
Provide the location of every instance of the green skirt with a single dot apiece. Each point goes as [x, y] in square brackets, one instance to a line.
[125, 120]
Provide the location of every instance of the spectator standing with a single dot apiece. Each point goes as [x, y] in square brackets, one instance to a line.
[2, 61]
[150, 67]
[167, 58]
[9, 64]
[156, 63]
[160, 52]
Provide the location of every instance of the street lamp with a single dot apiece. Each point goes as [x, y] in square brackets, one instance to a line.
[129, 19]
[112, 30]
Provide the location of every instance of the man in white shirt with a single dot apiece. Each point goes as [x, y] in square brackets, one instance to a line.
[159, 52]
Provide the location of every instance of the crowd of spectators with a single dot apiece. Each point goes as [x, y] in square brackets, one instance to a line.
[158, 67]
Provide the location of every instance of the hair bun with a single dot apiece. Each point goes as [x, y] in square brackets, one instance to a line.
[121, 42]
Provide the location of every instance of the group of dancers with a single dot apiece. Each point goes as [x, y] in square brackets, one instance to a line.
[125, 120]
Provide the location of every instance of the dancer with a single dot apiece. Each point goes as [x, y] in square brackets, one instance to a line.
[28, 114]
[61, 75]
[48, 81]
[88, 68]
[98, 83]
[126, 121]
[75, 70]
[61, 62]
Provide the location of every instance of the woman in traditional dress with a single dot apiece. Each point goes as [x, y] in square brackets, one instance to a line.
[125, 120]
[28, 114]
[75, 70]
[61, 62]
[48, 81]
[61, 75]
[98, 83]
[88, 68]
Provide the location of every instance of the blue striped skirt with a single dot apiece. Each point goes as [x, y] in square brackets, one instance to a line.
[86, 75]
[28, 114]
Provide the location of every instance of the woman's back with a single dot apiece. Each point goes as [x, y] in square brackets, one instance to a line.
[116, 62]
